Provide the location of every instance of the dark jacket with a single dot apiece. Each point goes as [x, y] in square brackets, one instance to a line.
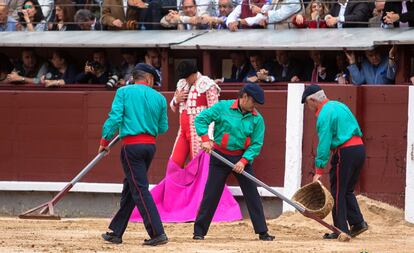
[396, 7]
[69, 76]
[354, 12]
[241, 75]
[331, 71]
[88, 78]
[293, 69]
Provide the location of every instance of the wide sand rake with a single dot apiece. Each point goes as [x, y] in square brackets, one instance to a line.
[46, 210]
[341, 235]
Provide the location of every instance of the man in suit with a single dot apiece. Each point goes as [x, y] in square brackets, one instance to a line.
[398, 14]
[239, 69]
[319, 69]
[287, 69]
[344, 12]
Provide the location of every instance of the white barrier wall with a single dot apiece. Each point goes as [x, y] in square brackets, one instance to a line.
[409, 187]
[294, 135]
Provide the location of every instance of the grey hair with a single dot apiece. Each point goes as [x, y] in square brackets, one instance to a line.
[83, 15]
[139, 75]
[318, 96]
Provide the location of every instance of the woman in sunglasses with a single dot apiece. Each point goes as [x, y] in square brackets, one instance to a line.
[31, 17]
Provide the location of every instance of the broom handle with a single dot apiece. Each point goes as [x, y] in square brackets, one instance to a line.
[260, 183]
[301, 209]
[95, 160]
[85, 170]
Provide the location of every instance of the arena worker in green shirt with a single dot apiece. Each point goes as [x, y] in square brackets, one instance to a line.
[238, 136]
[339, 133]
[139, 114]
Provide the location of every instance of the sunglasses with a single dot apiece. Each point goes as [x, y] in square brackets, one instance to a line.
[28, 6]
[223, 6]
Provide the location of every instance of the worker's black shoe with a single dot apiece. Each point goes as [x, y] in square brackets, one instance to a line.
[358, 228]
[161, 239]
[198, 237]
[112, 238]
[266, 237]
[330, 236]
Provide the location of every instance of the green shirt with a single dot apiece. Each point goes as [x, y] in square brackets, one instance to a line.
[233, 130]
[136, 109]
[335, 125]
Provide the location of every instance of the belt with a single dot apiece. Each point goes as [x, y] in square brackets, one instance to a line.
[228, 152]
[138, 139]
[354, 141]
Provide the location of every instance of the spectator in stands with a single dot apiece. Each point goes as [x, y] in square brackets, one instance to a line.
[219, 22]
[239, 69]
[113, 14]
[31, 18]
[344, 12]
[319, 70]
[279, 14]
[7, 22]
[29, 69]
[130, 59]
[398, 14]
[287, 69]
[64, 16]
[375, 69]
[313, 16]
[62, 71]
[96, 71]
[376, 20]
[87, 21]
[225, 8]
[259, 72]
[243, 16]
[187, 19]
[5, 68]
[343, 76]
[153, 58]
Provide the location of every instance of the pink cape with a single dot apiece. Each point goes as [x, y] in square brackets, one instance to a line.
[178, 196]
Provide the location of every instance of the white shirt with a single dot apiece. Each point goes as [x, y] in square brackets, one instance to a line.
[341, 15]
[404, 10]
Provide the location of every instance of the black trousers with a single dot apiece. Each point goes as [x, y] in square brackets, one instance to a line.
[346, 168]
[136, 159]
[217, 176]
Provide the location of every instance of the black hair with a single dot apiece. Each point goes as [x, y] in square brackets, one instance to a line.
[39, 14]
[185, 69]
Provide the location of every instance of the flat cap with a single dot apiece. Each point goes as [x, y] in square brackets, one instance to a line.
[255, 91]
[185, 69]
[309, 90]
[150, 70]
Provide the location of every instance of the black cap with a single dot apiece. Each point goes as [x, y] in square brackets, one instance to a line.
[255, 91]
[151, 70]
[309, 90]
[185, 69]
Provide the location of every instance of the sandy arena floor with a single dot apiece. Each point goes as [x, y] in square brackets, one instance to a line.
[294, 233]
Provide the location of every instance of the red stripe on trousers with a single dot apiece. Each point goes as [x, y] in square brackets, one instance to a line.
[140, 193]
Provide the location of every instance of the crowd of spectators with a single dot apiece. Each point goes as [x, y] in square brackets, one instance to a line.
[65, 15]
[62, 69]
[377, 66]
[372, 67]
